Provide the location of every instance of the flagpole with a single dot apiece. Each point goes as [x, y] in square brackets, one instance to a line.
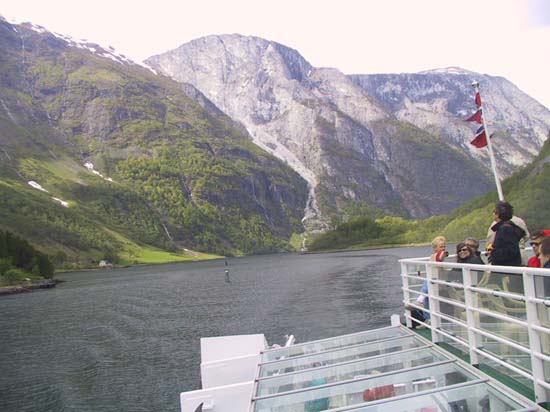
[489, 146]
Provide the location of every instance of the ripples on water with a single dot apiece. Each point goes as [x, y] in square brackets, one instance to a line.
[128, 339]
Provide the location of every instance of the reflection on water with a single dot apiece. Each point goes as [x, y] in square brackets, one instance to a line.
[128, 339]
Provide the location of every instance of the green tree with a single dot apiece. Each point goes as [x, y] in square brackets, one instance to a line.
[5, 265]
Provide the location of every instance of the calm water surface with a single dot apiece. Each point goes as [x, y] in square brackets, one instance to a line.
[128, 339]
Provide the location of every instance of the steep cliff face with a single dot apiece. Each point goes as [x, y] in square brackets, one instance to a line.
[346, 144]
[438, 101]
[182, 173]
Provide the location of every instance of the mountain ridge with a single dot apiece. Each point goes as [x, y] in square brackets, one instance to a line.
[306, 116]
[183, 173]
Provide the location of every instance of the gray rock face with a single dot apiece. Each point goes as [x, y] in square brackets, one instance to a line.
[395, 143]
[438, 100]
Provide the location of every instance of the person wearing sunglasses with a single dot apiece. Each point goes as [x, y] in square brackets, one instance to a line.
[536, 239]
[464, 254]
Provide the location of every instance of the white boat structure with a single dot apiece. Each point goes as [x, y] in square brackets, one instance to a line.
[486, 348]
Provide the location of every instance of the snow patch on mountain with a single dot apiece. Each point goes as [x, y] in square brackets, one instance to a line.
[448, 70]
[107, 52]
[90, 167]
[62, 202]
[37, 186]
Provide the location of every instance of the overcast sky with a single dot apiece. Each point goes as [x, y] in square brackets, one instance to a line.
[509, 38]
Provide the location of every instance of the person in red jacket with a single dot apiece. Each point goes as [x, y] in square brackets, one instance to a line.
[545, 252]
[536, 238]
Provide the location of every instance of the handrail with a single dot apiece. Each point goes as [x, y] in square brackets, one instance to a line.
[480, 312]
[519, 270]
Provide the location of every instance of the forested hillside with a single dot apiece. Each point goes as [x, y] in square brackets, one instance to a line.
[19, 260]
[102, 158]
[526, 190]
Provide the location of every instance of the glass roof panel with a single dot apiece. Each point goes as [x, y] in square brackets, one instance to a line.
[478, 397]
[365, 390]
[332, 343]
[347, 371]
[337, 356]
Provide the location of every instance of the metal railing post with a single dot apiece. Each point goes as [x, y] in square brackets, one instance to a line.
[535, 345]
[433, 291]
[406, 293]
[472, 317]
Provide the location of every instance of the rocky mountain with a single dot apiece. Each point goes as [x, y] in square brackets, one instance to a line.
[392, 143]
[438, 100]
[101, 156]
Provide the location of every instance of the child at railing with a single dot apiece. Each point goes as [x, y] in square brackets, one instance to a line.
[439, 247]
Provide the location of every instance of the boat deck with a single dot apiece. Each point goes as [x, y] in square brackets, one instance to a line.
[389, 369]
[486, 348]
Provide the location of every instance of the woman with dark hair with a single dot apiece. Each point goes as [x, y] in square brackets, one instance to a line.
[505, 250]
[464, 254]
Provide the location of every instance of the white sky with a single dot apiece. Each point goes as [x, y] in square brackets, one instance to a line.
[509, 38]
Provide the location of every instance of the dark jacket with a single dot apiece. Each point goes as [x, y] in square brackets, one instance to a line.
[506, 245]
[473, 260]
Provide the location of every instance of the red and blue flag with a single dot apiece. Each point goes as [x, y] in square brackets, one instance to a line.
[480, 139]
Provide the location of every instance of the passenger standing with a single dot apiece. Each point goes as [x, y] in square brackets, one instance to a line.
[505, 250]
[518, 221]
[536, 239]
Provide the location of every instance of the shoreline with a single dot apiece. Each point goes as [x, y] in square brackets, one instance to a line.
[12, 290]
[365, 248]
[125, 266]
[51, 283]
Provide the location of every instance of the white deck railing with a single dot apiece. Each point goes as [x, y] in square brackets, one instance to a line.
[497, 315]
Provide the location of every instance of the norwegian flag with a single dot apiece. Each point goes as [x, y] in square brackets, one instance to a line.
[476, 117]
[480, 139]
[478, 99]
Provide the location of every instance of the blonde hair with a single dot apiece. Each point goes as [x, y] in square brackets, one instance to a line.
[437, 240]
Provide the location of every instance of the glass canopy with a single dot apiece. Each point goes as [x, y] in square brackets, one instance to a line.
[330, 357]
[332, 343]
[348, 371]
[389, 369]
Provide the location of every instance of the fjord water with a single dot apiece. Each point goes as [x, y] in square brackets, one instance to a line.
[128, 339]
